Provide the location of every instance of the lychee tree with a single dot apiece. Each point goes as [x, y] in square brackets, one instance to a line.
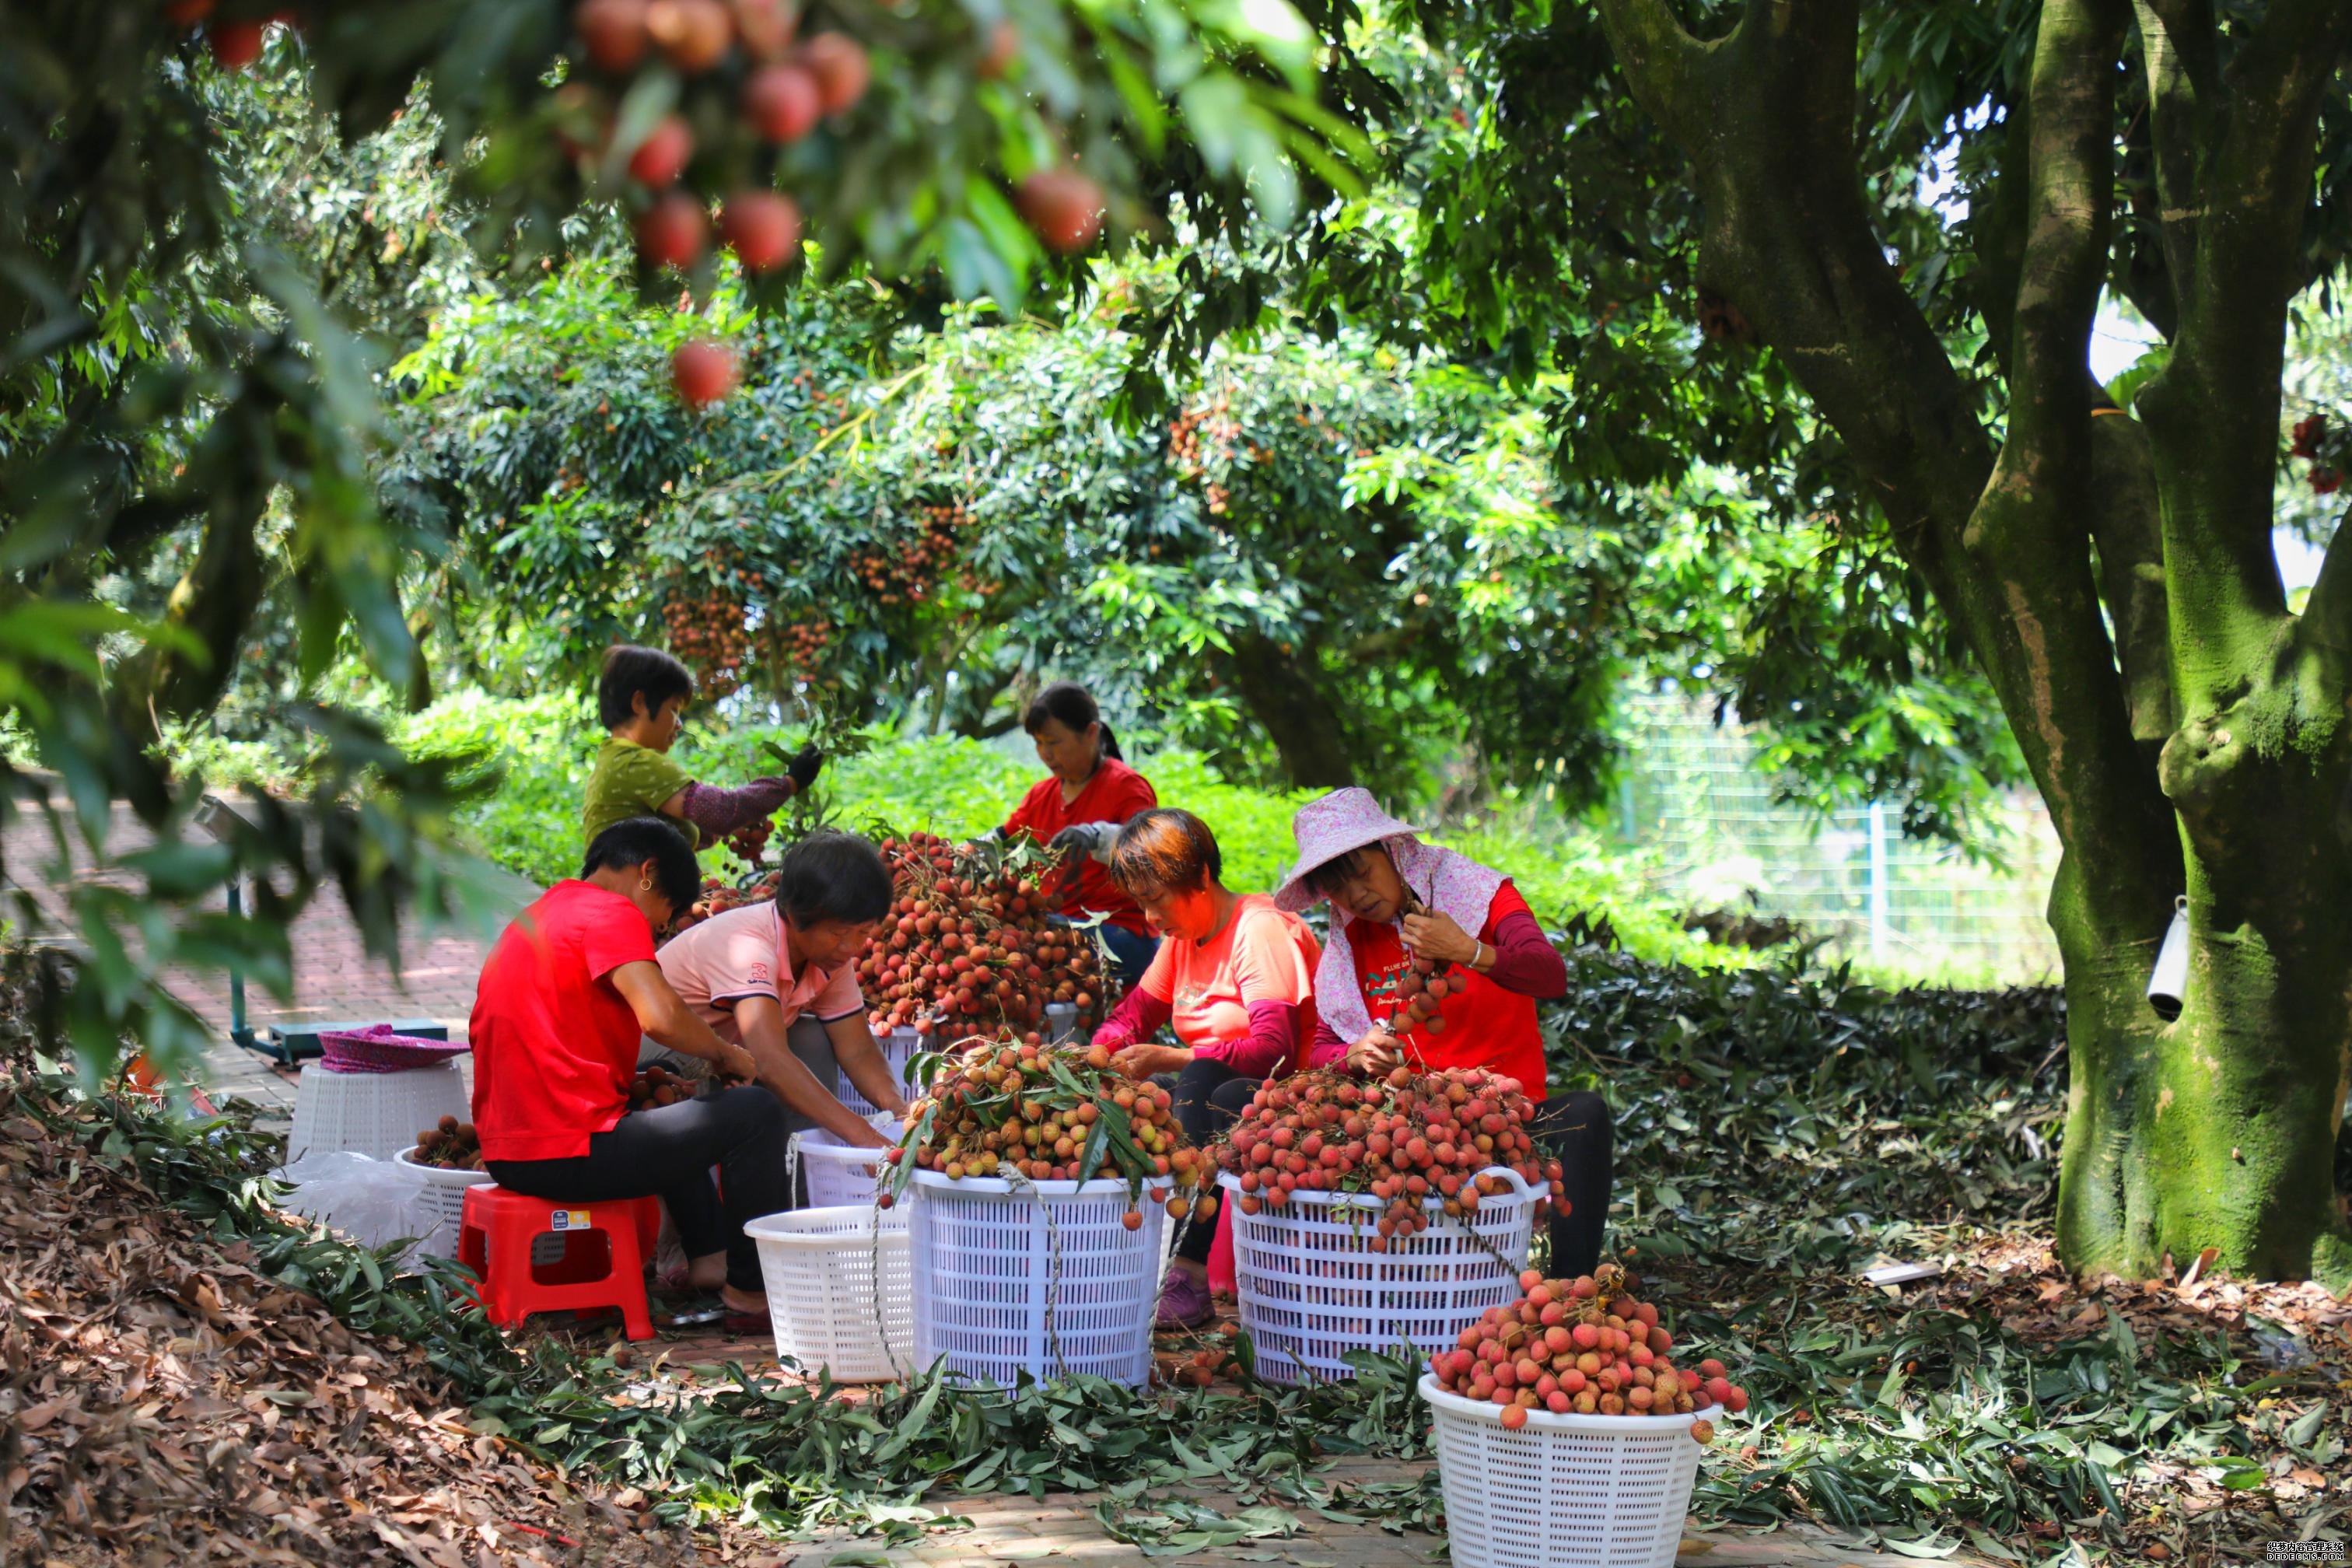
[1885, 231]
[188, 403]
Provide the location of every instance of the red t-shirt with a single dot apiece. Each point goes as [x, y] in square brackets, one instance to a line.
[556, 1045]
[1486, 1025]
[1116, 793]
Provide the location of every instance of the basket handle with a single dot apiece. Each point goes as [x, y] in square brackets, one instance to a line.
[1519, 1182]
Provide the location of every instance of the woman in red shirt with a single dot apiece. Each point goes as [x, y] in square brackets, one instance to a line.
[1079, 809]
[1234, 978]
[564, 996]
[1394, 896]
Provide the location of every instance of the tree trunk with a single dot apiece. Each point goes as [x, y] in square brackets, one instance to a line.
[1283, 692]
[2219, 1129]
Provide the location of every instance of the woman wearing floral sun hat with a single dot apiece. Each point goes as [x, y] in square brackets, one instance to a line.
[1394, 896]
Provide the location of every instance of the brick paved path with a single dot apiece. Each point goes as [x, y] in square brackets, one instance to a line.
[334, 978]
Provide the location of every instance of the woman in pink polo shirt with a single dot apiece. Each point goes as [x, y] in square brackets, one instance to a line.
[780, 979]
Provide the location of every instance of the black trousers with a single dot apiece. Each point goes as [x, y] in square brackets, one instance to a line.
[1577, 1129]
[666, 1152]
[1209, 1097]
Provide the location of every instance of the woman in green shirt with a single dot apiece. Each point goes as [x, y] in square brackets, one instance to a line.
[639, 697]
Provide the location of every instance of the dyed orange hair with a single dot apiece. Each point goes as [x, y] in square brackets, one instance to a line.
[1164, 851]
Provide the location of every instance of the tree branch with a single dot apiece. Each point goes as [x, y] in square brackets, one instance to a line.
[1660, 60]
[2327, 626]
[2234, 168]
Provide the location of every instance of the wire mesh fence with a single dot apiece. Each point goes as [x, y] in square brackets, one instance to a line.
[1695, 798]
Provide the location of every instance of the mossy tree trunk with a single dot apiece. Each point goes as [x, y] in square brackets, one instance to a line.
[2113, 571]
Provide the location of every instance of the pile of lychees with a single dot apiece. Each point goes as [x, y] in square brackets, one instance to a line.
[1007, 1108]
[450, 1145]
[1406, 1139]
[967, 947]
[1584, 1345]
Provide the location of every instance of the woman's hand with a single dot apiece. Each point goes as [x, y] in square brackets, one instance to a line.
[1433, 934]
[1376, 1052]
[1142, 1062]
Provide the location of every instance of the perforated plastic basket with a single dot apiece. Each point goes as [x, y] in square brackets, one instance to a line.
[839, 1175]
[840, 1297]
[1312, 1288]
[444, 1201]
[374, 1113]
[899, 1048]
[1563, 1492]
[1043, 1278]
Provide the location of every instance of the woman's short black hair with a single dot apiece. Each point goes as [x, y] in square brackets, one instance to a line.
[1331, 879]
[832, 876]
[1164, 850]
[631, 843]
[632, 671]
[1072, 707]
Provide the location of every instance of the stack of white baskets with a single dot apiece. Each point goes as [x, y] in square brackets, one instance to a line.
[1562, 1492]
[1312, 1288]
[1041, 1278]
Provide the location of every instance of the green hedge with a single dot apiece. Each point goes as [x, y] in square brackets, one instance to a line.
[957, 786]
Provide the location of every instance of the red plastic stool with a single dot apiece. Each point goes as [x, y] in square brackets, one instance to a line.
[495, 1241]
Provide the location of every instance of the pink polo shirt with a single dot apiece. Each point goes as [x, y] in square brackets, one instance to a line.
[719, 963]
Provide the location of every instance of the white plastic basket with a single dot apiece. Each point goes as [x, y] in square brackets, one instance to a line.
[442, 1201]
[841, 1298]
[374, 1113]
[1312, 1288]
[838, 1174]
[1043, 1278]
[1562, 1492]
[899, 1047]
[1061, 1023]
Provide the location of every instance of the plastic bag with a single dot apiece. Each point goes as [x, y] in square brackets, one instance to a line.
[371, 1201]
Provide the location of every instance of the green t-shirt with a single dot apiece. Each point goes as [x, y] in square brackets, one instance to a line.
[630, 780]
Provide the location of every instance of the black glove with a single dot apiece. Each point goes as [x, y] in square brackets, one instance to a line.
[803, 768]
[1092, 839]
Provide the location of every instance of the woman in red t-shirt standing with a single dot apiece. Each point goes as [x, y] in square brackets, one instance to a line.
[1394, 896]
[1079, 809]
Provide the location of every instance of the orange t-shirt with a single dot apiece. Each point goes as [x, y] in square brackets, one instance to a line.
[1116, 793]
[1262, 955]
[1486, 1025]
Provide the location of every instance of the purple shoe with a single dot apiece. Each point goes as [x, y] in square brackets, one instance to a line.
[1184, 1300]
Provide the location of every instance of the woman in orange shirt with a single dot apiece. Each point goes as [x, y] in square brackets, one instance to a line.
[1235, 978]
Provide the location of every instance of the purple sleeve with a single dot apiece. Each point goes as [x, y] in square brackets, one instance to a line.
[719, 812]
[1139, 1015]
[1266, 1051]
[1328, 1048]
[1525, 963]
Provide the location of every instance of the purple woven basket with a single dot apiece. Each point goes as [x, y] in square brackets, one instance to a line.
[380, 1049]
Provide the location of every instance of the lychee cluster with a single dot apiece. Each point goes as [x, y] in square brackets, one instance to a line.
[967, 946]
[1584, 1346]
[2311, 443]
[449, 1144]
[1418, 1142]
[1006, 1107]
